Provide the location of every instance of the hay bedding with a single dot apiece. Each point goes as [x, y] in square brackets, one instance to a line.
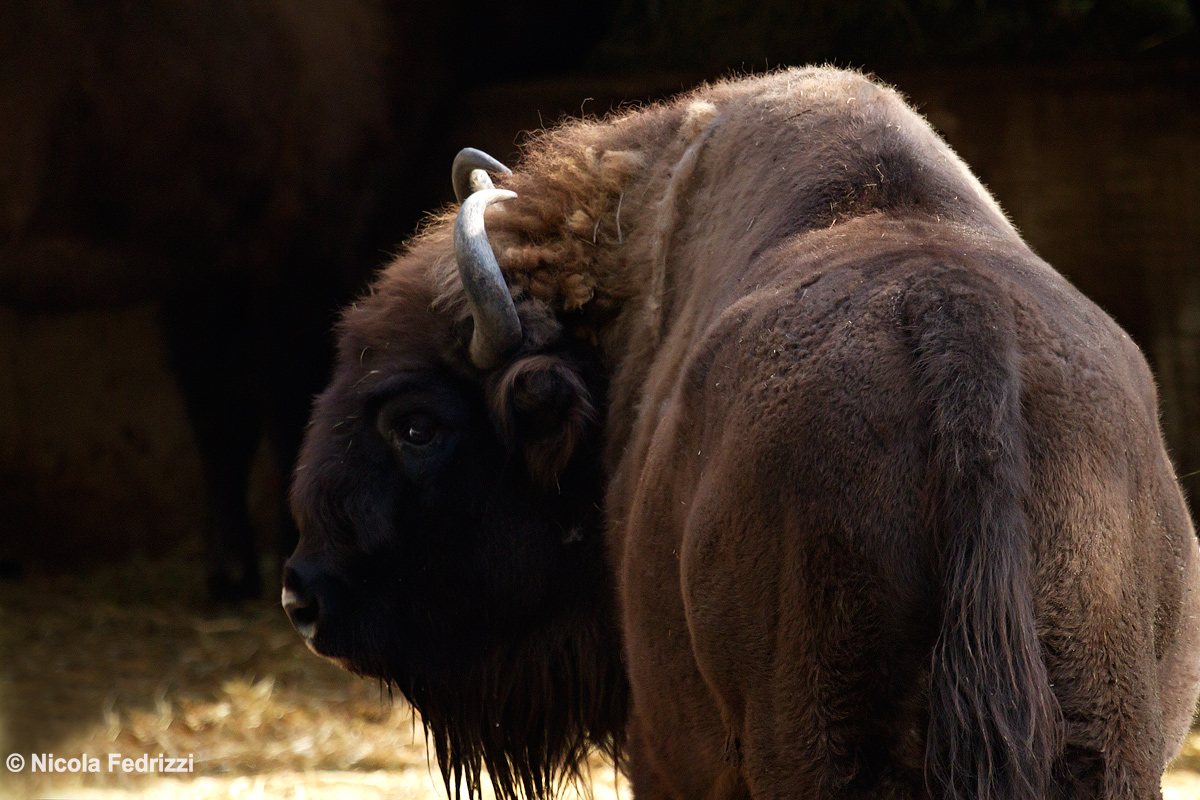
[129, 660]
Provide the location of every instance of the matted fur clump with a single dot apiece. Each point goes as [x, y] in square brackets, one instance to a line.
[582, 189]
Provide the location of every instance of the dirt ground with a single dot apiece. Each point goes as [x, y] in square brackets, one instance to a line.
[130, 660]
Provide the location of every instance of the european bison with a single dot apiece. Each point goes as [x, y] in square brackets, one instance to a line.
[751, 440]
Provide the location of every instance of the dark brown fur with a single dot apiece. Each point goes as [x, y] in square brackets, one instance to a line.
[886, 508]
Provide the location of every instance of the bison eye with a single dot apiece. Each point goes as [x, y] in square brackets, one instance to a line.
[421, 431]
[417, 433]
[420, 436]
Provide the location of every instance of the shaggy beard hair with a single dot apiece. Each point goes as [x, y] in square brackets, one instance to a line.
[530, 714]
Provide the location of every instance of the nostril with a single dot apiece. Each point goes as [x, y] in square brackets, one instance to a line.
[303, 612]
[303, 608]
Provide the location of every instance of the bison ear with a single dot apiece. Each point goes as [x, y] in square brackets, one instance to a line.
[543, 409]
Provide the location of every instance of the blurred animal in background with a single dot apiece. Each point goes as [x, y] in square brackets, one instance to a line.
[246, 166]
[748, 437]
[225, 159]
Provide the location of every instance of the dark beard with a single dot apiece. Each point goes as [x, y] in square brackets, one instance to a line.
[529, 713]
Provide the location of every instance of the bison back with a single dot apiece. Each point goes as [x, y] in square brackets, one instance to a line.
[882, 492]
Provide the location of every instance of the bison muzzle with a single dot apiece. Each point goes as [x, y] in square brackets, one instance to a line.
[743, 436]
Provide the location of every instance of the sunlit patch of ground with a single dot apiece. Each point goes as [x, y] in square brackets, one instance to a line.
[1182, 781]
[128, 660]
[328, 785]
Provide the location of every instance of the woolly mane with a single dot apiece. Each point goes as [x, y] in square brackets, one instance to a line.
[599, 202]
[584, 192]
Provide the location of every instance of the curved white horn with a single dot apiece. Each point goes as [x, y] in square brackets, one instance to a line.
[497, 326]
[467, 163]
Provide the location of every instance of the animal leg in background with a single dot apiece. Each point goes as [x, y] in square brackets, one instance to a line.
[207, 335]
[292, 366]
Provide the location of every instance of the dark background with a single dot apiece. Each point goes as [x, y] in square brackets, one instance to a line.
[1083, 118]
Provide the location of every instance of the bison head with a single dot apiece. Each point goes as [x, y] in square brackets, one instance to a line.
[448, 500]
